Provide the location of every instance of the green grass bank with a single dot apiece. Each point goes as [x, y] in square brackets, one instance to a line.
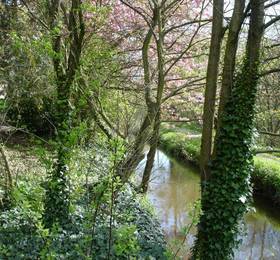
[183, 142]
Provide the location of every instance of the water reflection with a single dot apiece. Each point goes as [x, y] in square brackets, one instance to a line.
[173, 188]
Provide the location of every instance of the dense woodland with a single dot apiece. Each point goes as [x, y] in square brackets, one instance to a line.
[91, 90]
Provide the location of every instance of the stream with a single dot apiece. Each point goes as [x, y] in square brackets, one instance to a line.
[175, 187]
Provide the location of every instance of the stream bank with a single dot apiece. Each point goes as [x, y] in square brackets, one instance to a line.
[174, 188]
[184, 145]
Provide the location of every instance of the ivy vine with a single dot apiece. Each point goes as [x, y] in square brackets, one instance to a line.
[225, 196]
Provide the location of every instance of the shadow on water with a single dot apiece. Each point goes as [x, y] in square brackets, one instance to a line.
[175, 187]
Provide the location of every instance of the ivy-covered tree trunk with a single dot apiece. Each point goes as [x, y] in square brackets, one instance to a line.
[57, 190]
[229, 60]
[224, 198]
[57, 193]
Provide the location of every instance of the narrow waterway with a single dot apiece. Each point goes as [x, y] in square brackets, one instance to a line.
[173, 190]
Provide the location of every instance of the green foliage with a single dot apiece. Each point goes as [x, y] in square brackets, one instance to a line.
[57, 200]
[126, 242]
[136, 233]
[57, 186]
[30, 90]
[266, 178]
[181, 145]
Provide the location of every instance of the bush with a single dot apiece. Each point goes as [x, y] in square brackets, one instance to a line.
[35, 117]
[266, 178]
[181, 146]
[135, 231]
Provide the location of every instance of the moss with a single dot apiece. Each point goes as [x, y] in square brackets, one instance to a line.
[183, 144]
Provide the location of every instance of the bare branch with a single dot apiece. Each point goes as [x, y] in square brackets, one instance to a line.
[185, 24]
[267, 72]
[267, 151]
[272, 21]
[34, 16]
[269, 133]
[188, 84]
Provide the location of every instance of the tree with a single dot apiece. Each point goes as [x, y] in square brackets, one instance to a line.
[57, 192]
[211, 87]
[225, 194]
[164, 51]
[268, 99]
[230, 59]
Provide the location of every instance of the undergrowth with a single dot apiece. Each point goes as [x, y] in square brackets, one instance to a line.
[97, 230]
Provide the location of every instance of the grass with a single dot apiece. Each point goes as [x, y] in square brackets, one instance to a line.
[181, 146]
[183, 142]
[266, 178]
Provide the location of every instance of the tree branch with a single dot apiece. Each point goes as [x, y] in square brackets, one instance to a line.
[269, 133]
[272, 21]
[267, 151]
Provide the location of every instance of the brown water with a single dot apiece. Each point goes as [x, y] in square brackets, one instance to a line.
[175, 187]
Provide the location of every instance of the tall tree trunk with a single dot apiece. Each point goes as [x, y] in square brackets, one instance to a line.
[229, 60]
[144, 134]
[151, 155]
[211, 88]
[57, 192]
[160, 88]
[154, 107]
[225, 194]
[135, 154]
